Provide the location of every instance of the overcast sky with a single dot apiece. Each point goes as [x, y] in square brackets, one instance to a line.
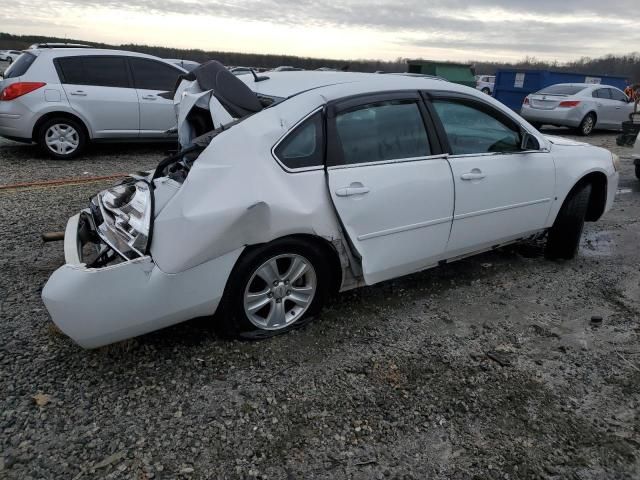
[384, 29]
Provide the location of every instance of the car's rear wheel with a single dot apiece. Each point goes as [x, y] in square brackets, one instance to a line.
[274, 289]
[62, 138]
[486, 90]
[564, 236]
[10, 60]
[587, 125]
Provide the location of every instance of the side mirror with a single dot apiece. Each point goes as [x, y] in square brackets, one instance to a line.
[528, 142]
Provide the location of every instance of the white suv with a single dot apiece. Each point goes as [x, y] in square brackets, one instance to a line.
[62, 98]
[485, 83]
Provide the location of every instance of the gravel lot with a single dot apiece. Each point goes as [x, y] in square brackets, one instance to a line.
[488, 368]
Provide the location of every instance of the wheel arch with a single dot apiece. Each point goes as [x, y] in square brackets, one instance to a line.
[58, 114]
[598, 197]
[335, 265]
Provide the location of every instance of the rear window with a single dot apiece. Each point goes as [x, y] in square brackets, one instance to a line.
[98, 71]
[20, 66]
[561, 90]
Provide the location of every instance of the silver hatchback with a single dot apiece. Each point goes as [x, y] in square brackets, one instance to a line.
[579, 105]
[63, 98]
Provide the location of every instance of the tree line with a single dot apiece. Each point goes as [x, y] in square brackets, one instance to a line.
[618, 65]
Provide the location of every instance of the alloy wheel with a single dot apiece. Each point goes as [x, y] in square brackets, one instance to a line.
[280, 291]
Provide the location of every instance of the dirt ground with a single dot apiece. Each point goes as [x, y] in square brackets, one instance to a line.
[489, 368]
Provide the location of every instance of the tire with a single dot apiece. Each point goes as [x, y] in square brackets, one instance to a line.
[10, 60]
[564, 237]
[62, 138]
[587, 125]
[257, 318]
[486, 90]
[638, 172]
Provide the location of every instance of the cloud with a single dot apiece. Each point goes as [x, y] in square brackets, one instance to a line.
[548, 28]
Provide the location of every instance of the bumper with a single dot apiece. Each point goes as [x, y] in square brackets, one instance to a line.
[569, 117]
[99, 306]
[16, 121]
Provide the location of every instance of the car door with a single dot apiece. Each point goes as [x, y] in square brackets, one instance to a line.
[151, 78]
[622, 107]
[607, 109]
[391, 186]
[99, 88]
[502, 192]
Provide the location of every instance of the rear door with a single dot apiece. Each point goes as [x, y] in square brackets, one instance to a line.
[100, 89]
[390, 185]
[151, 77]
[606, 107]
[502, 192]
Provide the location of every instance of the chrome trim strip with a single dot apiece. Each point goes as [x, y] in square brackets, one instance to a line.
[500, 209]
[405, 228]
[389, 162]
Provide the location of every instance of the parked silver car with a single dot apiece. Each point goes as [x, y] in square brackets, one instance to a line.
[579, 105]
[62, 98]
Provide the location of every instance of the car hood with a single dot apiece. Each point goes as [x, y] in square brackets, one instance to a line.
[565, 142]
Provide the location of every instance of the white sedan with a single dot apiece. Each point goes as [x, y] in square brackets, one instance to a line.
[291, 186]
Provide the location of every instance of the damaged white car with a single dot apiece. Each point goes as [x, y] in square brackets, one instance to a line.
[293, 185]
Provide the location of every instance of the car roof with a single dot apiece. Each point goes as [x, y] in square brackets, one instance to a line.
[73, 52]
[287, 84]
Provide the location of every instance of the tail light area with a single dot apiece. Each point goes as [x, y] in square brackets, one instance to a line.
[569, 104]
[526, 101]
[18, 89]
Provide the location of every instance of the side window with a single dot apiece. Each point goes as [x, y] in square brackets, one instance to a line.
[151, 75]
[617, 95]
[304, 147]
[602, 93]
[383, 131]
[473, 129]
[98, 71]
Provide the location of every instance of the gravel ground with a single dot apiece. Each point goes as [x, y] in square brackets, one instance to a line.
[489, 368]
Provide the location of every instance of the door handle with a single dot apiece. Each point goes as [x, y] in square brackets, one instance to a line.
[474, 174]
[351, 190]
[149, 97]
[79, 93]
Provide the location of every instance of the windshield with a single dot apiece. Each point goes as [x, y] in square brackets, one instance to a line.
[561, 90]
[20, 66]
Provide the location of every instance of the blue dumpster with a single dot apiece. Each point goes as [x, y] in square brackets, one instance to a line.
[512, 86]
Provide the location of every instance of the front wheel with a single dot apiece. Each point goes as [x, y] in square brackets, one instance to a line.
[274, 289]
[564, 236]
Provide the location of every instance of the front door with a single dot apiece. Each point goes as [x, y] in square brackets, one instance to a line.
[390, 185]
[151, 78]
[502, 192]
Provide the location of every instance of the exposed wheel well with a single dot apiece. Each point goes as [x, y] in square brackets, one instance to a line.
[598, 198]
[47, 116]
[331, 254]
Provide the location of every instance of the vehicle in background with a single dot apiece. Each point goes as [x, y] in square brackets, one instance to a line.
[512, 86]
[636, 156]
[460, 73]
[241, 70]
[287, 69]
[327, 69]
[485, 83]
[578, 105]
[309, 183]
[63, 98]
[9, 56]
[58, 45]
[187, 65]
